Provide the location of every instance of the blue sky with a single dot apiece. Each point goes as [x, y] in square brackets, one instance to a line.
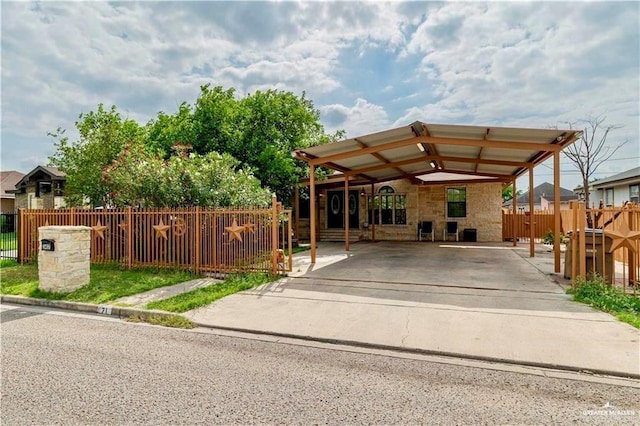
[366, 65]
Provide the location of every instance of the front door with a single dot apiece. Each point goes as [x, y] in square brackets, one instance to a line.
[335, 209]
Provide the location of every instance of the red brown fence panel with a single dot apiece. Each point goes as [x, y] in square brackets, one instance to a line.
[200, 239]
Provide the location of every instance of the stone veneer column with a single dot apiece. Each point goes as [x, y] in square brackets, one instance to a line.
[67, 267]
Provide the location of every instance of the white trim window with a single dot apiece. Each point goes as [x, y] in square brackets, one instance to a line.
[608, 197]
[634, 193]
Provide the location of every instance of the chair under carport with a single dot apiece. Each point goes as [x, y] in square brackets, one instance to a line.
[425, 228]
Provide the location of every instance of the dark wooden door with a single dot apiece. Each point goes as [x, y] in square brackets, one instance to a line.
[335, 209]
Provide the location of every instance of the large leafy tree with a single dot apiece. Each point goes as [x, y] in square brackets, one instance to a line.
[102, 135]
[260, 131]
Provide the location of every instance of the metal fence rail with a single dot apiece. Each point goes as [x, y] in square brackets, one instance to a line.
[8, 235]
[199, 239]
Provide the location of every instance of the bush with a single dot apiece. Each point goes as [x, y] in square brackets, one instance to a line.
[549, 238]
[595, 292]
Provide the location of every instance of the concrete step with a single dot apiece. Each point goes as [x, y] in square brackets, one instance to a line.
[338, 235]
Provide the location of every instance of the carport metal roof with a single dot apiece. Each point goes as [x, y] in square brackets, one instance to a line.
[431, 153]
[440, 153]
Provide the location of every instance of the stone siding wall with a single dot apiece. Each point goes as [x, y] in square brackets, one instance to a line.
[67, 267]
[45, 201]
[429, 203]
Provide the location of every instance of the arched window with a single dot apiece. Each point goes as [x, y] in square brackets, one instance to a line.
[389, 208]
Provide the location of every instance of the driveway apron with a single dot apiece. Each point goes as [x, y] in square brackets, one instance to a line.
[472, 300]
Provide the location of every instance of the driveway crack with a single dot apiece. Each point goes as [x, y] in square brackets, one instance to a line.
[406, 329]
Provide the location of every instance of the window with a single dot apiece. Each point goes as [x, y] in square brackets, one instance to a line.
[389, 208]
[608, 197]
[456, 202]
[634, 193]
[58, 189]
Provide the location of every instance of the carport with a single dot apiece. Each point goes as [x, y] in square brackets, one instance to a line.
[431, 154]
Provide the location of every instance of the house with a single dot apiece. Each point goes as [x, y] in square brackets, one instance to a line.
[8, 181]
[41, 188]
[543, 199]
[396, 179]
[614, 190]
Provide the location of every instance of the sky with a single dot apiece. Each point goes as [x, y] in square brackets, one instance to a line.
[367, 66]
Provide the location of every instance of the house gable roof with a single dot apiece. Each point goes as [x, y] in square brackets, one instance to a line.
[545, 190]
[52, 172]
[626, 175]
[8, 182]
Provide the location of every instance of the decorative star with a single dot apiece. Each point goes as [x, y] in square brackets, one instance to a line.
[623, 237]
[235, 231]
[249, 227]
[123, 226]
[161, 230]
[99, 228]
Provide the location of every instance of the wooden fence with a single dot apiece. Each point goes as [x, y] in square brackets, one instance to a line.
[608, 241]
[542, 223]
[200, 239]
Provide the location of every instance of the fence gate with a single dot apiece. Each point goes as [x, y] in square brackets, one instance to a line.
[605, 241]
[8, 235]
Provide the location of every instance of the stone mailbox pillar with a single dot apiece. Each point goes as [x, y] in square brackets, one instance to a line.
[63, 257]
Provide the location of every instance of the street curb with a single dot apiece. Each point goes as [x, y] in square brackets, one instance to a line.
[125, 312]
[365, 345]
[105, 309]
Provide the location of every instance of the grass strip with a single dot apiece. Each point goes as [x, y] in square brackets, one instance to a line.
[203, 296]
[8, 241]
[107, 282]
[175, 321]
[595, 292]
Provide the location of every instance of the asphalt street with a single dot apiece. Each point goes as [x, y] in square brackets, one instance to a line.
[61, 368]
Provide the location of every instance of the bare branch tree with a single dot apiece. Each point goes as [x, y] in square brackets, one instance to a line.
[591, 150]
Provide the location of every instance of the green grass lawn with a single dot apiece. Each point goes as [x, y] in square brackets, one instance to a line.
[595, 292]
[108, 282]
[8, 241]
[206, 295]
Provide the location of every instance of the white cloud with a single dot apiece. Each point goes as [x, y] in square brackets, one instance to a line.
[366, 65]
[361, 118]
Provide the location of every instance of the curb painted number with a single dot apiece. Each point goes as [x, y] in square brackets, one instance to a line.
[106, 310]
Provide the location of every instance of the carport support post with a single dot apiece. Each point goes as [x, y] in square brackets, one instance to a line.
[556, 210]
[373, 216]
[346, 213]
[532, 223]
[312, 213]
[514, 201]
[297, 207]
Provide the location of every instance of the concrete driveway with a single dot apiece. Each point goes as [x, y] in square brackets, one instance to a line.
[471, 300]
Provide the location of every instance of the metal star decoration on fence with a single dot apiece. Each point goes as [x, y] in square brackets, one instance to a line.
[249, 227]
[235, 231]
[123, 226]
[623, 237]
[161, 230]
[99, 228]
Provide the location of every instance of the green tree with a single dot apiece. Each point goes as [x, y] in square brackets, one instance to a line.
[273, 124]
[103, 133]
[259, 130]
[507, 193]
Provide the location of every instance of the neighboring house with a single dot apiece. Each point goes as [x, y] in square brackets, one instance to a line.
[543, 199]
[8, 181]
[41, 188]
[614, 190]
